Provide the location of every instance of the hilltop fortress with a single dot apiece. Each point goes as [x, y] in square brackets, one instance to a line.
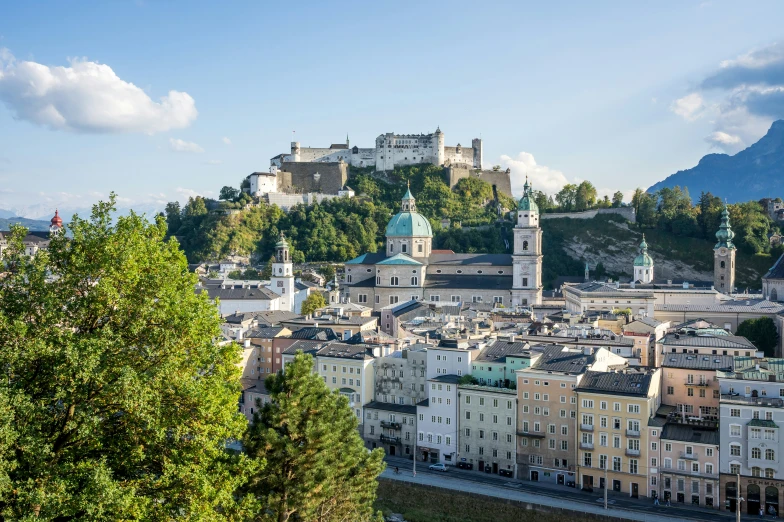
[324, 171]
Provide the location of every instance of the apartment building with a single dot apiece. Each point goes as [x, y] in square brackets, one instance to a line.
[437, 424]
[349, 369]
[547, 410]
[751, 409]
[254, 395]
[690, 385]
[390, 426]
[487, 429]
[262, 346]
[496, 363]
[704, 344]
[687, 463]
[613, 409]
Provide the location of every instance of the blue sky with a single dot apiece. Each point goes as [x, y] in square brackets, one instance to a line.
[160, 100]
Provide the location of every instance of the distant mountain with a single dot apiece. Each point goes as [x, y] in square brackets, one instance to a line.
[34, 225]
[752, 174]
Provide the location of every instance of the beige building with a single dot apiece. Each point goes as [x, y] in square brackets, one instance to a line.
[687, 464]
[258, 354]
[487, 440]
[613, 409]
[348, 368]
[547, 410]
[690, 386]
[254, 396]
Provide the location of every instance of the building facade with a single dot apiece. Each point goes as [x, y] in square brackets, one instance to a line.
[487, 426]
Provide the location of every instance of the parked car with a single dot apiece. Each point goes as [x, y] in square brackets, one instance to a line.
[437, 467]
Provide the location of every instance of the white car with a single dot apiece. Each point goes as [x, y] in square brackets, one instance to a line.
[437, 467]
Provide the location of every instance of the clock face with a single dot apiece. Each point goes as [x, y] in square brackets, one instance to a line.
[723, 251]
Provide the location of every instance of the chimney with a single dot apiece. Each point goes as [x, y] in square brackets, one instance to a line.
[512, 338]
[587, 350]
[246, 344]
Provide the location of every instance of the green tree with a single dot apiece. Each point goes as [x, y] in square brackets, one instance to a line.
[228, 193]
[173, 217]
[617, 199]
[599, 272]
[328, 271]
[317, 467]
[762, 333]
[116, 402]
[266, 272]
[567, 197]
[585, 196]
[312, 303]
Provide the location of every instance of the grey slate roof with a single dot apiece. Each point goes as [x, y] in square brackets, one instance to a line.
[274, 317]
[685, 433]
[305, 345]
[616, 383]
[345, 351]
[467, 281]
[741, 305]
[497, 351]
[708, 341]
[388, 406]
[470, 259]
[777, 270]
[232, 294]
[697, 362]
[314, 334]
[449, 379]
[254, 385]
[555, 359]
[264, 333]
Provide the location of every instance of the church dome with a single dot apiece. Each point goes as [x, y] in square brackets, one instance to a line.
[57, 220]
[406, 224]
[643, 259]
[527, 201]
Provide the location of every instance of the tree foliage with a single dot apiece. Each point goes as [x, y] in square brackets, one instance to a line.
[313, 302]
[762, 333]
[317, 467]
[116, 401]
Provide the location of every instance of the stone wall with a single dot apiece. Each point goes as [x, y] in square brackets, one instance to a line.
[625, 212]
[325, 178]
[501, 179]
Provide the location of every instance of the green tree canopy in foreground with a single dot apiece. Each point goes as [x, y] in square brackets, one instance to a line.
[762, 333]
[115, 401]
[317, 467]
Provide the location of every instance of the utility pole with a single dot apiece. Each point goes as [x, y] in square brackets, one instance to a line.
[605, 485]
[416, 434]
[738, 498]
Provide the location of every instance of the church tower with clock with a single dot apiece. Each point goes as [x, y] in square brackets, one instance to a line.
[527, 254]
[724, 256]
[282, 280]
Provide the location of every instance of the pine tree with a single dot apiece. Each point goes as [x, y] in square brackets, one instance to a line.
[116, 402]
[316, 465]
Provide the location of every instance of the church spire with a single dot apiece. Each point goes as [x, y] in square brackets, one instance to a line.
[408, 202]
[725, 234]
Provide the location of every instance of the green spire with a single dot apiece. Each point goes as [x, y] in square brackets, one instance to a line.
[527, 201]
[643, 259]
[282, 243]
[725, 233]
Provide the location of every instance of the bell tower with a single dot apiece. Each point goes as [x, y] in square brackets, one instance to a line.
[527, 254]
[282, 280]
[56, 225]
[724, 256]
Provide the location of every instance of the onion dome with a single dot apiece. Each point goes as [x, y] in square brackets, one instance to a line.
[282, 243]
[56, 220]
[527, 202]
[725, 233]
[643, 259]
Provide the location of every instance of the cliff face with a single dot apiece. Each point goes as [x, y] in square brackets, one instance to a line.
[752, 174]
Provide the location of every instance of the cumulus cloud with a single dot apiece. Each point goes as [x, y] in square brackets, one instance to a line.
[543, 178]
[87, 97]
[178, 145]
[226, 140]
[690, 107]
[746, 93]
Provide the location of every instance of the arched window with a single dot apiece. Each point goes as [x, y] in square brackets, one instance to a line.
[769, 472]
[403, 248]
[770, 454]
[414, 281]
[348, 278]
[391, 246]
[756, 453]
[723, 264]
[525, 245]
[755, 472]
[774, 296]
[393, 281]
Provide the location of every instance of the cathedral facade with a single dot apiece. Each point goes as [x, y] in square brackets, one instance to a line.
[410, 269]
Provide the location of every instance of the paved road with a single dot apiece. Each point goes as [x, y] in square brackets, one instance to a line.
[552, 495]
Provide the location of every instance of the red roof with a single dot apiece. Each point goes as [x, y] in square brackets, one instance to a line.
[56, 221]
[442, 252]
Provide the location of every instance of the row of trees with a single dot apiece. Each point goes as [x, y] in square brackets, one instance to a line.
[117, 401]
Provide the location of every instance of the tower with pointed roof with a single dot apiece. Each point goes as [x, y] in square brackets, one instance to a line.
[527, 254]
[724, 255]
[409, 232]
[643, 264]
[282, 280]
[56, 224]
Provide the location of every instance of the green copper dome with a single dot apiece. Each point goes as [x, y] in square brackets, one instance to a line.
[408, 222]
[282, 243]
[527, 201]
[643, 259]
[725, 233]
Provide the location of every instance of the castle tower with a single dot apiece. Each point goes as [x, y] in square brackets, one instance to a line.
[476, 144]
[334, 294]
[527, 254]
[643, 264]
[724, 256]
[56, 225]
[282, 280]
[440, 157]
[295, 152]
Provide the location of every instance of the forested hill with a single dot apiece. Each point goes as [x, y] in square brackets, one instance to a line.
[34, 225]
[752, 174]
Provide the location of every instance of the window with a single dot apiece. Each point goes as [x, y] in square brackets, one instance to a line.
[634, 408]
[735, 412]
[735, 450]
[587, 403]
[734, 430]
[770, 454]
[414, 281]
[603, 405]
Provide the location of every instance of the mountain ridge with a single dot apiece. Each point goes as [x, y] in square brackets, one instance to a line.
[754, 173]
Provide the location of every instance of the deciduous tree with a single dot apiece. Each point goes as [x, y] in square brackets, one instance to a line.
[312, 303]
[762, 333]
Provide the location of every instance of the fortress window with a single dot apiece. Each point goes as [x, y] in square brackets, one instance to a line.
[414, 281]
[723, 264]
[348, 278]
[369, 270]
[525, 245]
[391, 246]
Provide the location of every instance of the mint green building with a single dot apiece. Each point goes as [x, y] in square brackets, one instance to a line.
[497, 362]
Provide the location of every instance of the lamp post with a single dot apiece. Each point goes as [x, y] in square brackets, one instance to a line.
[738, 498]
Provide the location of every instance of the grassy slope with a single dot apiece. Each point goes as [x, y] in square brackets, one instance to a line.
[422, 504]
[568, 243]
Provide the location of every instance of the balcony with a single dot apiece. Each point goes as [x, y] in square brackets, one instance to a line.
[705, 421]
[703, 384]
[536, 435]
[586, 427]
[391, 440]
[586, 445]
[633, 433]
[770, 402]
[632, 452]
[689, 456]
[391, 425]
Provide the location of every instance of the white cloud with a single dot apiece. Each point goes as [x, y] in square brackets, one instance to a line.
[178, 145]
[87, 97]
[226, 140]
[722, 138]
[691, 107]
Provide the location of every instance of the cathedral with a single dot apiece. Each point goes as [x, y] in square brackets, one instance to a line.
[410, 269]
